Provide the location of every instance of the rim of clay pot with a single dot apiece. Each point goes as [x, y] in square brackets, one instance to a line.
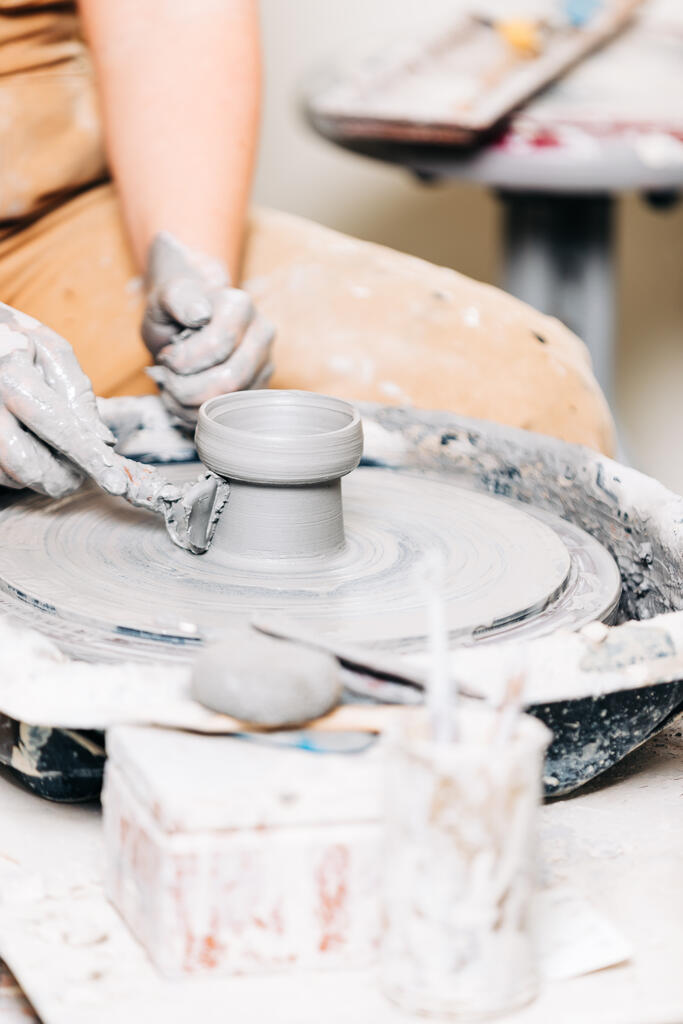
[279, 437]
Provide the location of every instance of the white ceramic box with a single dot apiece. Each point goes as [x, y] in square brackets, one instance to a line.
[230, 856]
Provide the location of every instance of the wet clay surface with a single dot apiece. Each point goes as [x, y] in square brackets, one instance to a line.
[284, 453]
[102, 578]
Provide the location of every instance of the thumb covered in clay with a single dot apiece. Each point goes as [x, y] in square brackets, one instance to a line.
[185, 301]
[179, 283]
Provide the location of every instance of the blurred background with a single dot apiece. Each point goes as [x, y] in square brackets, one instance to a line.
[458, 224]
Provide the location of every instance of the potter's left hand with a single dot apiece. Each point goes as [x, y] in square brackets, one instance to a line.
[206, 337]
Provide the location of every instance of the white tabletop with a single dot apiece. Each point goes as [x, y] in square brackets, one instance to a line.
[620, 846]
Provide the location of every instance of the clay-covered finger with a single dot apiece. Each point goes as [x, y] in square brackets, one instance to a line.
[63, 372]
[236, 374]
[13, 339]
[24, 391]
[27, 462]
[263, 378]
[185, 415]
[185, 301]
[7, 481]
[174, 308]
[233, 311]
[157, 330]
[57, 361]
[47, 415]
[253, 355]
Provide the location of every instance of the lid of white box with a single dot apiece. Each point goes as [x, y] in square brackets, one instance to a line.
[190, 782]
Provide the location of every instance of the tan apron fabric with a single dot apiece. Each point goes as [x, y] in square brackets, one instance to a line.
[50, 137]
[353, 319]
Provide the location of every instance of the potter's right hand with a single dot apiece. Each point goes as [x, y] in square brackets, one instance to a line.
[206, 337]
[46, 406]
[52, 436]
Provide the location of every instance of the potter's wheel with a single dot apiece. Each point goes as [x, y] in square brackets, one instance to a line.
[104, 580]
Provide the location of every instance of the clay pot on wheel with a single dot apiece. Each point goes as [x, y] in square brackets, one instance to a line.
[284, 454]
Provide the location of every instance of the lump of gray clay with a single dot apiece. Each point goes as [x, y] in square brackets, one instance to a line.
[272, 684]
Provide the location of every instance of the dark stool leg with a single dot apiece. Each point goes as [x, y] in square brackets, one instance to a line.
[558, 257]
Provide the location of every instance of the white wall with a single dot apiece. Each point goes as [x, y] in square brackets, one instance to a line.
[459, 225]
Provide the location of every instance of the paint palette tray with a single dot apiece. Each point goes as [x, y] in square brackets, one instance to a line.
[457, 85]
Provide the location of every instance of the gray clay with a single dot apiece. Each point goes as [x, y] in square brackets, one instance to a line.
[103, 578]
[282, 545]
[266, 682]
[284, 453]
[52, 434]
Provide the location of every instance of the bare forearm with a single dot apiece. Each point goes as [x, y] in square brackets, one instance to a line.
[179, 84]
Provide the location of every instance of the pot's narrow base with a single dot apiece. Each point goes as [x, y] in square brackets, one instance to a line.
[282, 522]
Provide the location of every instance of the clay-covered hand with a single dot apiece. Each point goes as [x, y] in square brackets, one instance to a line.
[206, 337]
[51, 433]
[47, 408]
[52, 436]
